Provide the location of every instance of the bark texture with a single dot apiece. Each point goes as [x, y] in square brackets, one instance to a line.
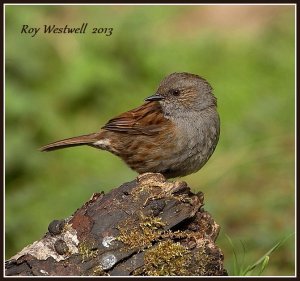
[145, 227]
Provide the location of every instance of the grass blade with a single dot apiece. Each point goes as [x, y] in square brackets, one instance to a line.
[264, 260]
[264, 265]
[235, 260]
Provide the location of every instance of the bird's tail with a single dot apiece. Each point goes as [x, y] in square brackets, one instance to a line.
[75, 141]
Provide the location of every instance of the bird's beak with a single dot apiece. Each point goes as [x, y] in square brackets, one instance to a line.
[155, 97]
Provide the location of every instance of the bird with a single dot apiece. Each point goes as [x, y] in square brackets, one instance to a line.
[174, 132]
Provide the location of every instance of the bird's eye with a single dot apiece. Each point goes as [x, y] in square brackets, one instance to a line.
[175, 92]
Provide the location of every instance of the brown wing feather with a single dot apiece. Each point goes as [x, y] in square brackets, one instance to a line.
[145, 119]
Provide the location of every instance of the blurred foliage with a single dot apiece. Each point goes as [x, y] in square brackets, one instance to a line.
[62, 85]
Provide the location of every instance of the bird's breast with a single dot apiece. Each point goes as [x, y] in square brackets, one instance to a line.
[197, 137]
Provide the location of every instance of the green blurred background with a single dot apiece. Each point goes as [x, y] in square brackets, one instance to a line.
[62, 85]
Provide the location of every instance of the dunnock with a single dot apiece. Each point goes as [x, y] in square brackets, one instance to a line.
[174, 132]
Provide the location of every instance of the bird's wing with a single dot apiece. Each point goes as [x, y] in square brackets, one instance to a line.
[148, 119]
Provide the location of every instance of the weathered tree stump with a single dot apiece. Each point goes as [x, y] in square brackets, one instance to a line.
[145, 227]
